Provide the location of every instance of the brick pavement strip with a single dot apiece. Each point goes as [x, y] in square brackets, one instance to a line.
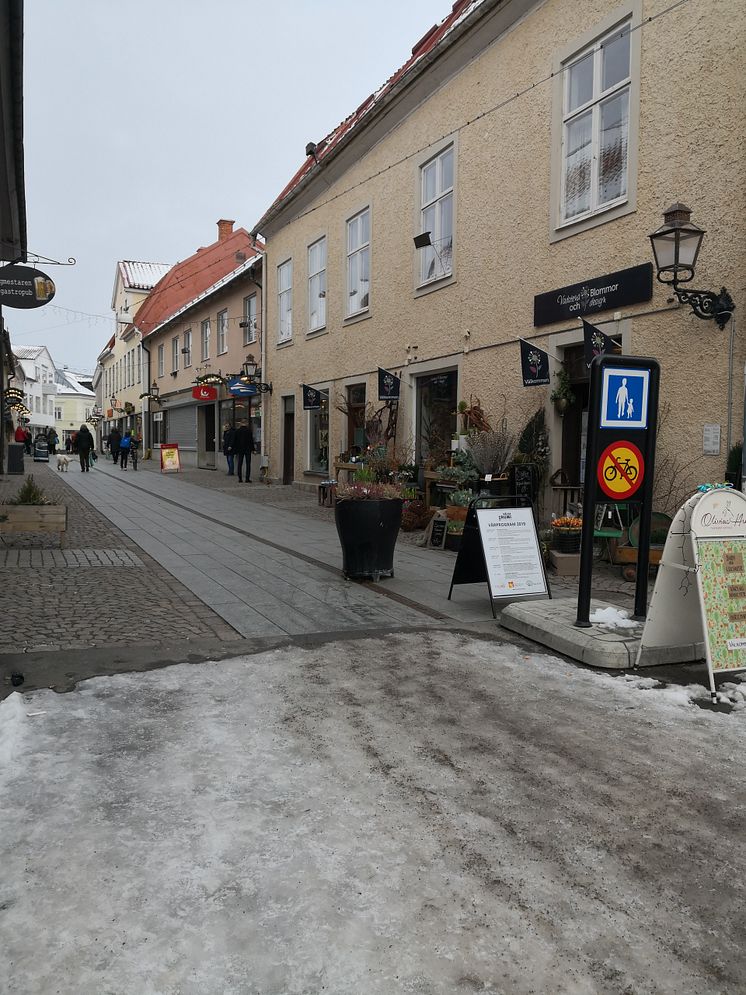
[95, 588]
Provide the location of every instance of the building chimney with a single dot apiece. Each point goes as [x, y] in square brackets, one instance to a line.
[225, 229]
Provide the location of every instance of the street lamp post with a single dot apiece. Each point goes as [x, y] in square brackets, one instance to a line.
[676, 246]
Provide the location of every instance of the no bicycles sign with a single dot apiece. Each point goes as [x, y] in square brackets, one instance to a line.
[621, 470]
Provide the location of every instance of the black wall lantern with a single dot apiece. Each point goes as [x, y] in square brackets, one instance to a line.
[154, 394]
[676, 246]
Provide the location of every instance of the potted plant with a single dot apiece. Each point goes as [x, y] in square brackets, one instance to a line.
[457, 505]
[31, 511]
[368, 515]
[566, 534]
[562, 396]
[454, 535]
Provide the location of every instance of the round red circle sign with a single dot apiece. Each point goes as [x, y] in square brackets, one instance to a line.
[621, 470]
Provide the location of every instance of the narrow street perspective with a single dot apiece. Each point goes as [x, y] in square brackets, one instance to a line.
[373, 498]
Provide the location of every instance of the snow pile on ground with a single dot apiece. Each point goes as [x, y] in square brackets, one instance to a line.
[612, 619]
[12, 722]
[731, 693]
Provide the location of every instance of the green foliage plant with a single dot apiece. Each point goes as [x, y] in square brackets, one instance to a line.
[30, 493]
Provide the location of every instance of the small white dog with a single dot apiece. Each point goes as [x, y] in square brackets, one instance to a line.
[62, 462]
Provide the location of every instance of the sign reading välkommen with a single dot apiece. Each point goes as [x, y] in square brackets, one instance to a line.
[603, 293]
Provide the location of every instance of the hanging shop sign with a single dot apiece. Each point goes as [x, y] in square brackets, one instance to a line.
[25, 287]
[239, 387]
[534, 365]
[595, 342]
[170, 458]
[205, 393]
[389, 386]
[311, 398]
[603, 293]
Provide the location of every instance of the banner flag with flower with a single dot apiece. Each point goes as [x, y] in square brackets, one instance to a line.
[534, 365]
[389, 386]
[311, 398]
[596, 342]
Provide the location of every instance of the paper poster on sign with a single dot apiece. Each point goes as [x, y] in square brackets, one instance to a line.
[511, 552]
[170, 459]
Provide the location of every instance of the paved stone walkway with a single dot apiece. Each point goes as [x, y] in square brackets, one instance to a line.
[94, 588]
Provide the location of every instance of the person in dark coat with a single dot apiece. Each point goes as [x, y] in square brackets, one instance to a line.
[85, 445]
[243, 443]
[229, 442]
[68, 445]
[27, 439]
[52, 440]
[115, 440]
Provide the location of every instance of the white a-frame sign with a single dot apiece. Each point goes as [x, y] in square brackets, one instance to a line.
[699, 600]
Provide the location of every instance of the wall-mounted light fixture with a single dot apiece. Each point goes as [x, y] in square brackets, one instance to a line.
[676, 245]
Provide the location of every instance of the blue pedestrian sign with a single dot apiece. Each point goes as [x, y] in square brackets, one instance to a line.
[624, 398]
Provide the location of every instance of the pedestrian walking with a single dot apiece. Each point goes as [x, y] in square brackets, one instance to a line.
[115, 439]
[124, 449]
[20, 435]
[68, 445]
[85, 444]
[229, 440]
[27, 440]
[52, 441]
[243, 443]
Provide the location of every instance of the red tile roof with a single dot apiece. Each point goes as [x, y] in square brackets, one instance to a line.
[187, 280]
[429, 41]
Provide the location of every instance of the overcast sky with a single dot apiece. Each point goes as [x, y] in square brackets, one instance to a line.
[147, 120]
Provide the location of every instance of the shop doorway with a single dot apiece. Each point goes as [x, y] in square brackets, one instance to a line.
[288, 439]
[206, 437]
[437, 403]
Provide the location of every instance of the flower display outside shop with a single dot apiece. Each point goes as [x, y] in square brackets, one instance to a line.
[567, 525]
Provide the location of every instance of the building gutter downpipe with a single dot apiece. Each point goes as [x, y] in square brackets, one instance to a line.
[146, 381]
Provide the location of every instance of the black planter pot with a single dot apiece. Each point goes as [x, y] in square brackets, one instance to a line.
[567, 542]
[367, 531]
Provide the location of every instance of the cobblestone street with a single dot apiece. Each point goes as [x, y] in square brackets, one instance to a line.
[93, 587]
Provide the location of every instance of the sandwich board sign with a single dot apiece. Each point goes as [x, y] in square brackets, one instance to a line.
[699, 600]
[500, 546]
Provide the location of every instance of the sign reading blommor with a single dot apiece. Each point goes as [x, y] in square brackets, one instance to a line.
[603, 293]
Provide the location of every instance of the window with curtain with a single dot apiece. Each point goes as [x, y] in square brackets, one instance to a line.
[285, 301]
[358, 263]
[205, 336]
[595, 126]
[317, 285]
[249, 317]
[436, 216]
[187, 348]
[160, 360]
[222, 331]
[175, 354]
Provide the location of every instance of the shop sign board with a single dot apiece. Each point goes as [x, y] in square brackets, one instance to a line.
[500, 546]
[25, 287]
[699, 598]
[170, 458]
[205, 392]
[238, 386]
[603, 293]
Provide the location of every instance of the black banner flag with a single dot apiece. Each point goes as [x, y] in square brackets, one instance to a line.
[389, 386]
[534, 365]
[311, 398]
[596, 342]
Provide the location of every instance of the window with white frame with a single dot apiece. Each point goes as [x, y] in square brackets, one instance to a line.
[139, 364]
[160, 360]
[595, 126]
[187, 350]
[358, 263]
[317, 285]
[249, 319]
[436, 216]
[285, 301]
[222, 331]
[205, 338]
[58, 414]
[175, 354]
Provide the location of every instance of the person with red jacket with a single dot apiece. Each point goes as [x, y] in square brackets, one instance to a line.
[20, 435]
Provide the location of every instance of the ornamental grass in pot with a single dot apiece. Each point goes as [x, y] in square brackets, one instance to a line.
[368, 516]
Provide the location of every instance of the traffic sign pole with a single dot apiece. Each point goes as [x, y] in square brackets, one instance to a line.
[620, 459]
